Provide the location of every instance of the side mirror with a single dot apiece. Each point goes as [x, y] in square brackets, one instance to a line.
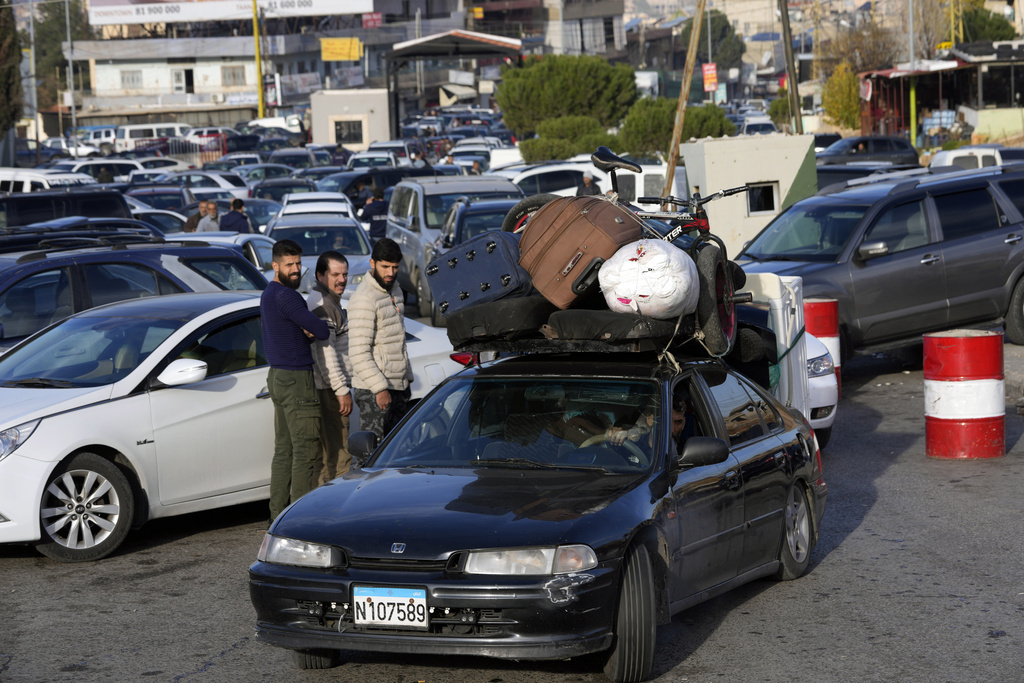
[701, 451]
[361, 445]
[870, 250]
[182, 371]
[447, 241]
[414, 223]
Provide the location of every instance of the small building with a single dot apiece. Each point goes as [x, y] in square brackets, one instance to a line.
[779, 170]
[354, 118]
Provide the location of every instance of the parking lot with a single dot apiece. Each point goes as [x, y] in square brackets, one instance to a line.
[917, 575]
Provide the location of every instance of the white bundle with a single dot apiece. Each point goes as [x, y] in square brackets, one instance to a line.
[650, 277]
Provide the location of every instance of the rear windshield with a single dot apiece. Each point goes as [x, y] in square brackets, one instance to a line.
[226, 273]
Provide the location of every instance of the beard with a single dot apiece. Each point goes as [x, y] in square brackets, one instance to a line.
[291, 281]
[388, 286]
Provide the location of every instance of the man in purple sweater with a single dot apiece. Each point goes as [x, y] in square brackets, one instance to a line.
[288, 327]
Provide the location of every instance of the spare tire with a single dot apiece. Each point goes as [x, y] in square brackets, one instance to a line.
[521, 212]
[716, 312]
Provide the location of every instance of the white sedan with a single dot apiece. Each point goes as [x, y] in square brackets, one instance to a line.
[143, 409]
[824, 390]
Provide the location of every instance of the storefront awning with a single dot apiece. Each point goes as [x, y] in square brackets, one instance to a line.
[452, 93]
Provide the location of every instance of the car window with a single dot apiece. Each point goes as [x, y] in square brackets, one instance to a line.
[901, 227]
[967, 161]
[31, 304]
[225, 273]
[110, 282]
[1014, 189]
[202, 181]
[348, 239]
[531, 184]
[478, 223]
[741, 416]
[555, 181]
[234, 347]
[764, 408]
[966, 213]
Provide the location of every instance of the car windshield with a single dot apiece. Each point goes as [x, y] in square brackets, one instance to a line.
[529, 424]
[225, 273]
[88, 351]
[478, 223]
[807, 231]
[160, 200]
[438, 204]
[348, 239]
[276, 193]
[262, 212]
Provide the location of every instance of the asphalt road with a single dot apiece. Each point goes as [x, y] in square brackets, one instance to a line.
[917, 576]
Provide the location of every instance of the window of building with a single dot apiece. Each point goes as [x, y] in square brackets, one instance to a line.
[231, 76]
[762, 198]
[348, 132]
[131, 80]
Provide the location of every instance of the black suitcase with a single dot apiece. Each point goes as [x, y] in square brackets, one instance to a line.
[611, 326]
[503, 320]
[480, 270]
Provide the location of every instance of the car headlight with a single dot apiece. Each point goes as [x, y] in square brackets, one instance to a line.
[356, 279]
[280, 550]
[13, 437]
[820, 366]
[564, 559]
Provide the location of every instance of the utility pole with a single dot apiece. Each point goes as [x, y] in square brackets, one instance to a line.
[71, 69]
[791, 82]
[684, 95]
[261, 107]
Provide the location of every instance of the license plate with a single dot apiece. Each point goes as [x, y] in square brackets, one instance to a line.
[391, 607]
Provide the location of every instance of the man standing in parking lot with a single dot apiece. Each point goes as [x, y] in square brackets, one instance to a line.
[375, 212]
[364, 193]
[210, 223]
[288, 326]
[235, 220]
[377, 348]
[332, 371]
[589, 187]
[193, 221]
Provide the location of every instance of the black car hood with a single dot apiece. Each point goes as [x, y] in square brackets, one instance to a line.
[436, 512]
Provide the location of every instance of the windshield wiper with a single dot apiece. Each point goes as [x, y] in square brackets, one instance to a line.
[525, 463]
[40, 382]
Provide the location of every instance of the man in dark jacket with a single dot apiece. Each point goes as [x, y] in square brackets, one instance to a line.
[235, 220]
[375, 212]
[193, 220]
[589, 187]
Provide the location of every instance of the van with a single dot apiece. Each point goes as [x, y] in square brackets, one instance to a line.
[30, 180]
[103, 138]
[977, 156]
[130, 135]
[292, 123]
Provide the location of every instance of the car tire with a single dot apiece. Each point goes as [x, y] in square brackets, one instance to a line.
[424, 301]
[86, 510]
[797, 536]
[823, 435]
[716, 313]
[632, 655]
[1015, 315]
[519, 214]
[316, 659]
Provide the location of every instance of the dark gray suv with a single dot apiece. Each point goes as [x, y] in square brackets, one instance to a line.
[906, 254]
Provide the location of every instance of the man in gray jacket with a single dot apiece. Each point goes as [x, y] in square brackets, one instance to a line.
[377, 346]
[332, 371]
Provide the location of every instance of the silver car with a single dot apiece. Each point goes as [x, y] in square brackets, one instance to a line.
[317, 234]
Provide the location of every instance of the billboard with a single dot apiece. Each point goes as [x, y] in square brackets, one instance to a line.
[142, 12]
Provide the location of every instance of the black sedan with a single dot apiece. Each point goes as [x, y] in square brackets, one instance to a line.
[859, 148]
[543, 507]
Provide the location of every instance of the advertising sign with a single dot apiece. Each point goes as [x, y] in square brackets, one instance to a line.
[103, 12]
[341, 49]
[710, 77]
[372, 20]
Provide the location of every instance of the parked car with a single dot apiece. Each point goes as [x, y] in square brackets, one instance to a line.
[400, 148]
[563, 179]
[823, 140]
[28, 154]
[166, 164]
[89, 200]
[117, 169]
[275, 189]
[977, 156]
[209, 180]
[372, 159]
[259, 211]
[761, 125]
[141, 410]
[830, 174]
[257, 173]
[256, 248]
[30, 179]
[869, 148]
[416, 214]
[907, 254]
[76, 231]
[167, 221]
[316, 173]
[319, 233]
[44, 286]
[380, 178]
[293, 157]
[165, 197]
[72, 148]
[499, 519]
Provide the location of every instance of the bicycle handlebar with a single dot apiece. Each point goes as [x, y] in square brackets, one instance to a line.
[696, 200]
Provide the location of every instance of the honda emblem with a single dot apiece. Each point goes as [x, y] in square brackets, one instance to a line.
[397, 548]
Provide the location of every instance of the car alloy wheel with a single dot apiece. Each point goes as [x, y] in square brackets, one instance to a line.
[797, 541]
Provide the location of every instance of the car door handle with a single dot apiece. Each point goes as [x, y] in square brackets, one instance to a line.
[732, 480]
[779, 459]
[263, 394]
[928, 259]
[1013, 239]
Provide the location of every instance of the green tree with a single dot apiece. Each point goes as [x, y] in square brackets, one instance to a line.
[647, 130]
[778, 110]
[726, 47]
[10, 69]
[980, 24]
[561, 85]
[50, 32]
[840, 97]
[566, 136]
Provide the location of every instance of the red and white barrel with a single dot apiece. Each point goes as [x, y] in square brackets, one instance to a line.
[964, 395]
[821, 318]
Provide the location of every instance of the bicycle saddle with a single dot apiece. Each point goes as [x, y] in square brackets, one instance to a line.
[606, 161]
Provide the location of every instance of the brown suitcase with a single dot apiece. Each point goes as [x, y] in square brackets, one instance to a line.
[568, 239]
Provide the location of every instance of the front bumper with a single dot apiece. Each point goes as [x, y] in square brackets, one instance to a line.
[21, 488]
[505, 617]
[823, 401]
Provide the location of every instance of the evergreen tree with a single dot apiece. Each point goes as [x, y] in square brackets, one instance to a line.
[10, 69]
[649, 124]
[980, 24]
[50, 33]
[561, 85]
[726, 47]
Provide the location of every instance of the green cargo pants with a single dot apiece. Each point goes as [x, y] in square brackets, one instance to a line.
[296, 436]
